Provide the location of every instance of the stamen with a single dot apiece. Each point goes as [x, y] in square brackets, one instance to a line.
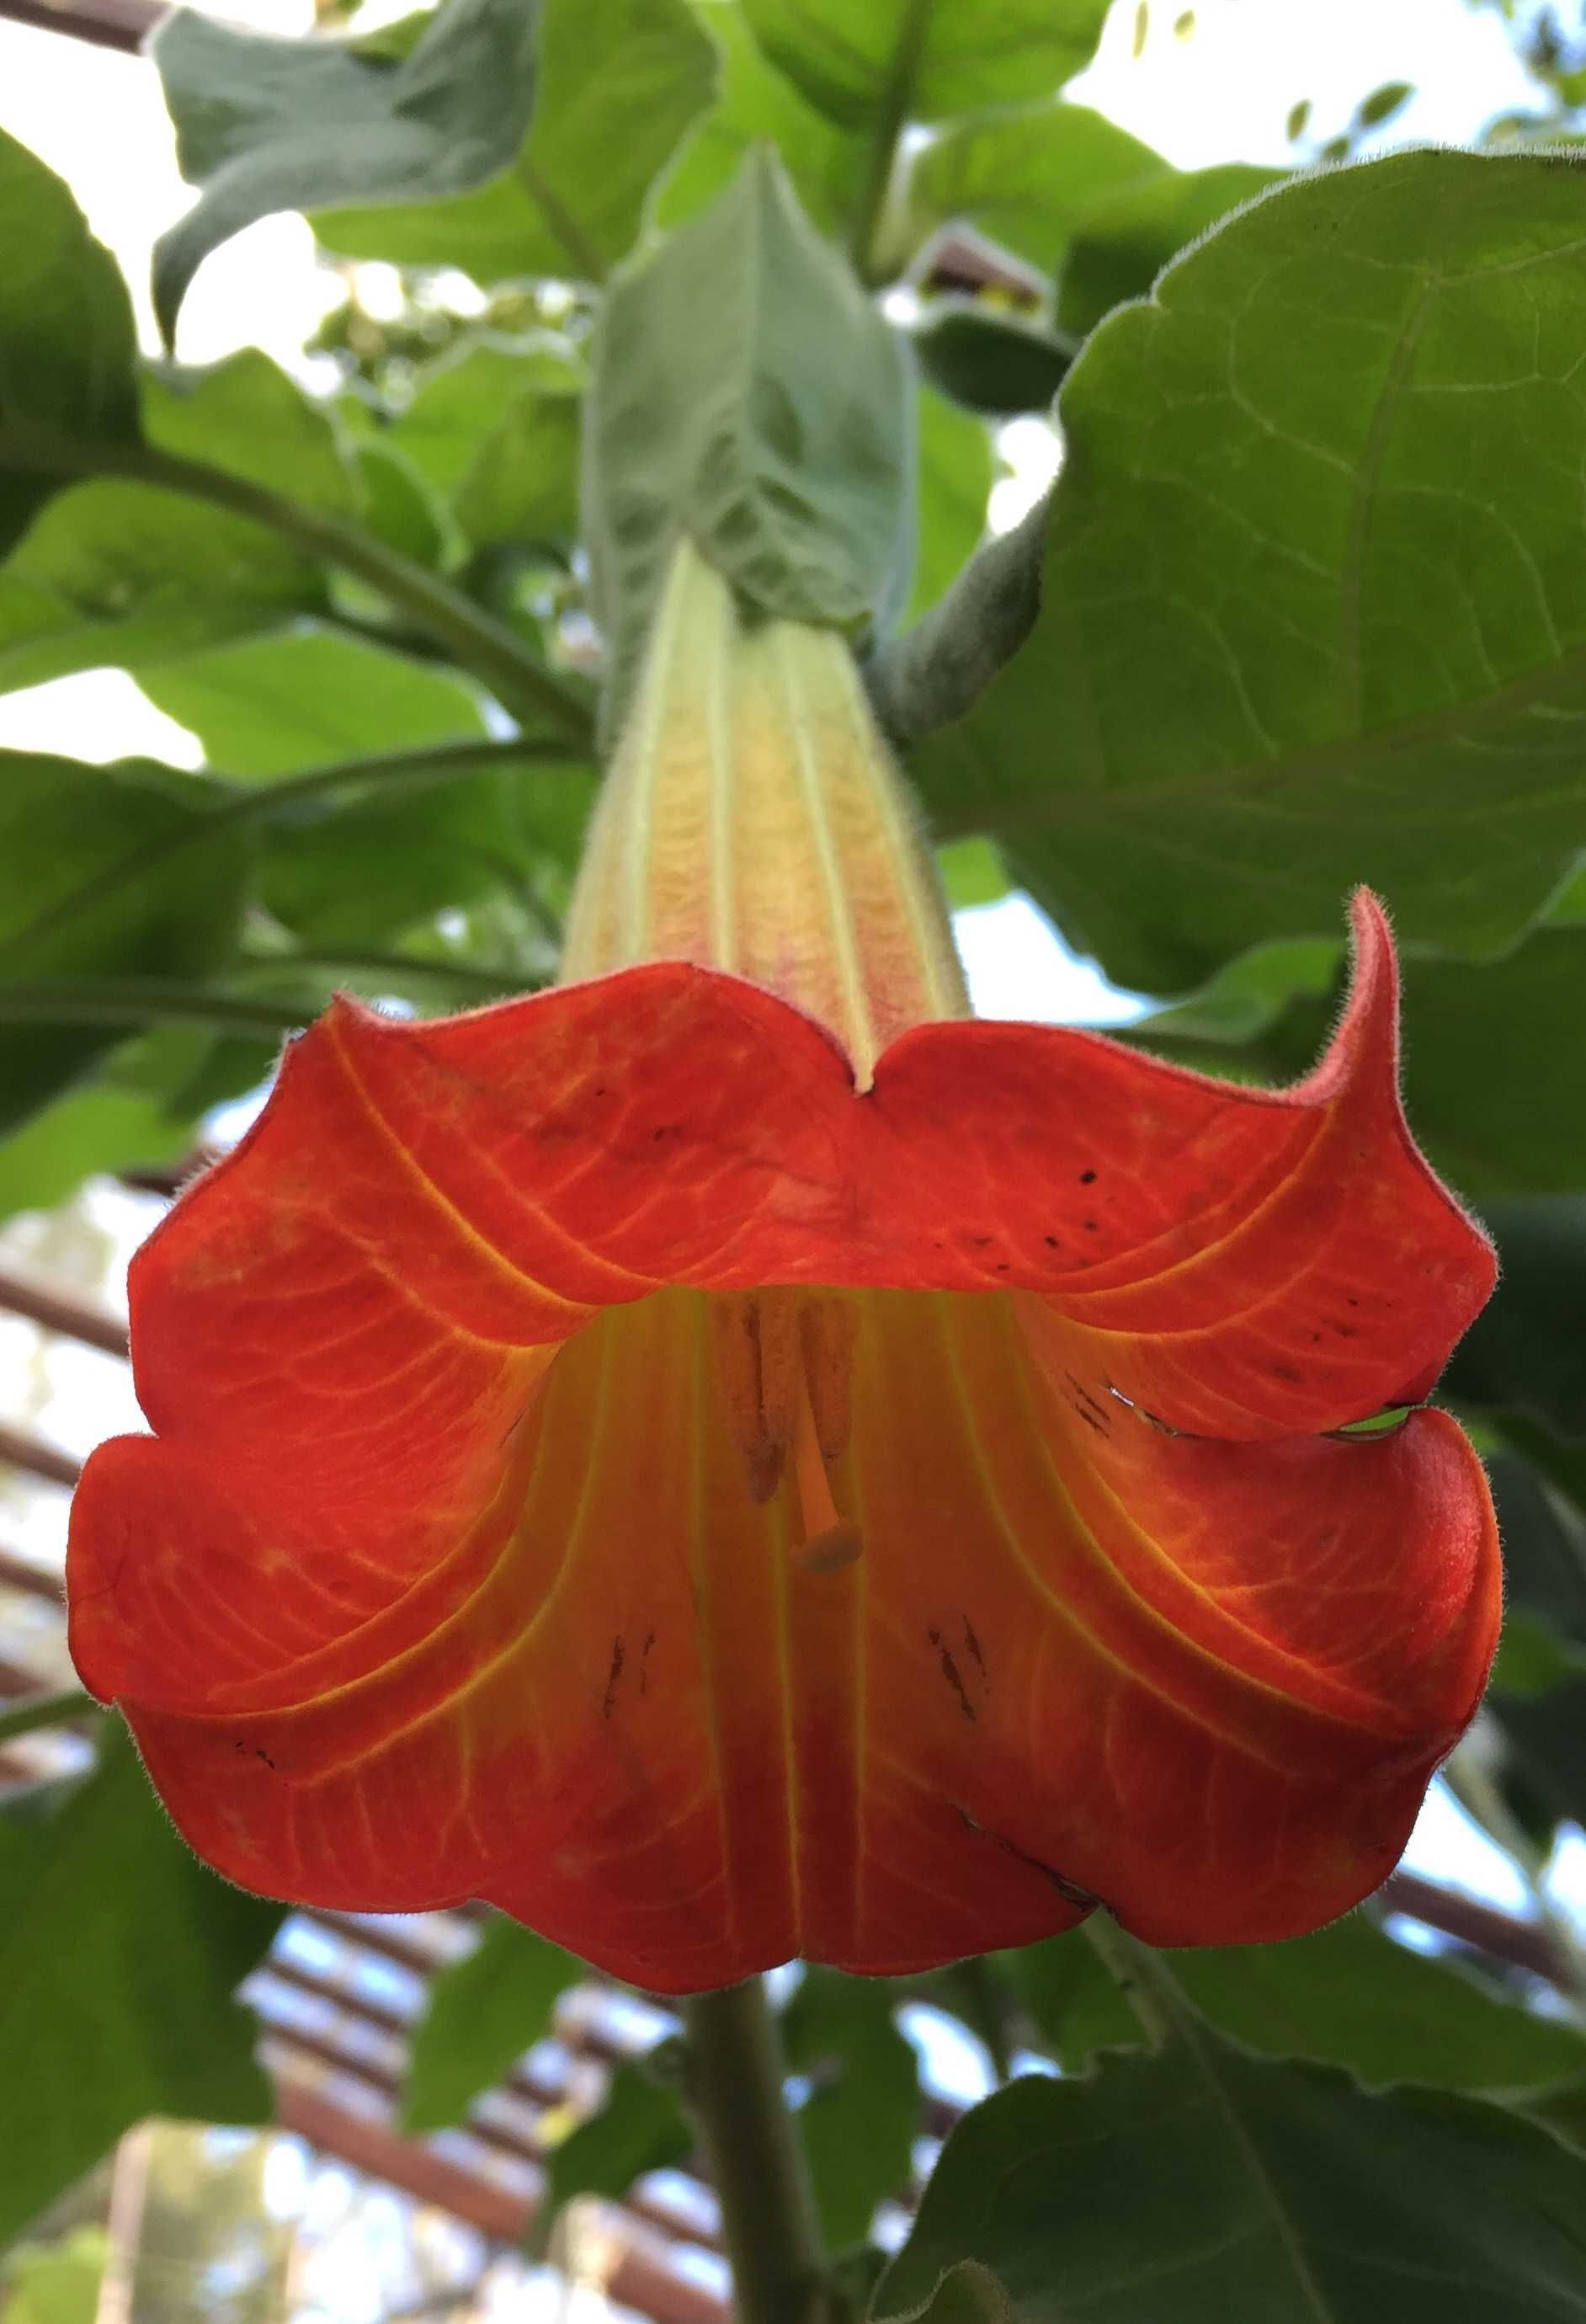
[757, 1367]
[826, 1332]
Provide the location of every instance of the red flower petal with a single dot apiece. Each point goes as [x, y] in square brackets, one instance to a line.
[401, 1610]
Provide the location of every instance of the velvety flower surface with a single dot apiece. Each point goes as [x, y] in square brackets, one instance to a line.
[613, 1459]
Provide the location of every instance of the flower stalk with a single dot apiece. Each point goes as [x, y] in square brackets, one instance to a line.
[734, 2076]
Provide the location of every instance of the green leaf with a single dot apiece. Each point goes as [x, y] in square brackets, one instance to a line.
[1383, 103]
[1544, 1544]
[923, 59]
[92, 1129]
[1201, 2183]
[309, 697]
[397, 505]
[641, 2128]
[483, 2013]
[1346, 1997]
[245, 415]
[618, 82]
[119, 1957]
[1079, 198]
[61, 825]
[972, 873]
[1313, 607]
[716, 404]
[968, 2293]
[267, 125]
[66, 323]
[59, 2283]
[470, 405]
[952, 487]
[123, 574]
[758, 105]
[992, 363]
[862, 2114]
[1525, 1350]
[356, 867]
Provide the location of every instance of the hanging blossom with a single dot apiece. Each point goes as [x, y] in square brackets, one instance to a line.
[727, 1459]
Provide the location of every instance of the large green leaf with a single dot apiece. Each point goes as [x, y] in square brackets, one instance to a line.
[495, 430]
[862, 2114]
[1201, 2184]
[619, 81]
[66, 325]
[483, 2013]
[1068, 189]
[119, 571]
[1314, 601]
[923, 59]
[716, 404]
[1266, 1015]
[119, 1957]
[356, 866]
[1526, 1351]
[245, 415]
[952, 487]
[61, 827]
[759, 106]
[267, 125]
[310, 697]
[1346, 1997]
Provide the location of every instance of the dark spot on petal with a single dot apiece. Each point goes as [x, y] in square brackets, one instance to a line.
[951, 1672]
[1314, 1337]
[1287, 1372]
[1087, 1177]
[612, 1676]
[973, 1644]
[1091, 1227]
[1050, 1242]
[981, 1242]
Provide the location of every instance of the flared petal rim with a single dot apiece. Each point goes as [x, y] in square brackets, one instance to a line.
[442, 1576]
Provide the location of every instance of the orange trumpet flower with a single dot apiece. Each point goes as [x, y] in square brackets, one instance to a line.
[726, 1460]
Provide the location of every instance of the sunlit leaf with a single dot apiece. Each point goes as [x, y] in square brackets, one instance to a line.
[119, 1957]
[1306, 621]
[853, 58]
[483, 2013]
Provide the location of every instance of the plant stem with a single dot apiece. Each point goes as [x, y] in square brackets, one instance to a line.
[494, 652]
[891, 117]
[734, 2080]
[497, 983]
[63, 1709]
[144, 1000]
[1129, 1965]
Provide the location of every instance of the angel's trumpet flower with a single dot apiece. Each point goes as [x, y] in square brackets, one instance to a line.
[728, 1459]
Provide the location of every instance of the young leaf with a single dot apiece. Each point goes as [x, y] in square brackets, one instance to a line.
[641, 2128]
[861, 2118]
[267, 125]
[66, 324]
[484, 2011]
[1312, 608]
[745, 388]
[61, 827]
[1201, 2183]
[920, 61]
[119, 1957]
[618, 82]
[1076, 194]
